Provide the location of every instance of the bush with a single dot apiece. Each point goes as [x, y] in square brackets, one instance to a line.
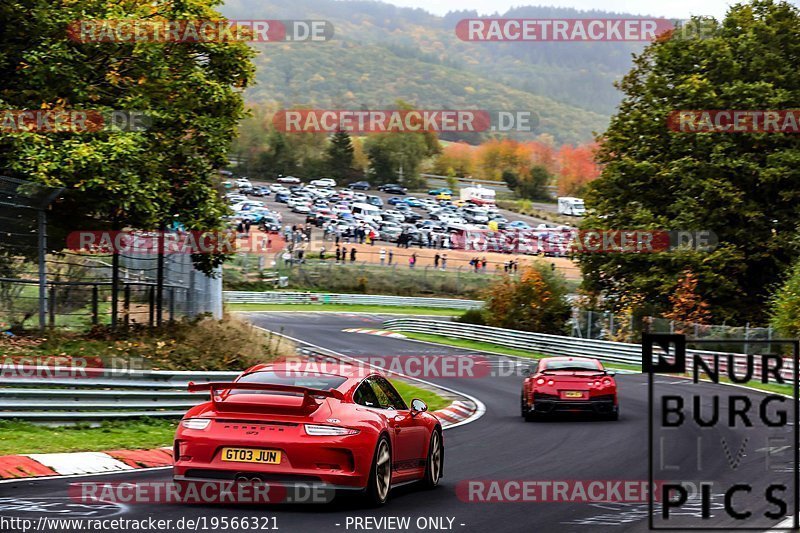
[199, 344]
[535, 301]
[785, 305]
[472, 316]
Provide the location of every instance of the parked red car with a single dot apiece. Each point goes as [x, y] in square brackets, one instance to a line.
[569, 385]
[342, 429]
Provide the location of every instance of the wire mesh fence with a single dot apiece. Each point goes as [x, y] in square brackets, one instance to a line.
[604, 325]
[44, 285]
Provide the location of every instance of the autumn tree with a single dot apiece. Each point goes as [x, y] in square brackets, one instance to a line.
[687, 306]
[534, 301]
[576, 168]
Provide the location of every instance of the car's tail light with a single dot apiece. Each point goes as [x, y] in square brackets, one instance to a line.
[607, 382]
[540, 381]
[550, 382]
[328, 431]
[196, 423]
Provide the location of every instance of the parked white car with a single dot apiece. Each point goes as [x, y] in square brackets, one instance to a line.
[324, 182]
[288, 179]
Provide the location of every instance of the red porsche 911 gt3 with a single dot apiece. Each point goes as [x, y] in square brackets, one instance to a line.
[342, 429]
[569, 385]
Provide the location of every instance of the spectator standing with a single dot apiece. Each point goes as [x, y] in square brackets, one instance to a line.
[436, 259]
[391, 257]
[516, 265]
[322, 253]
[412, 261]
[484, 262]
[383, 256]
[444, 261]
[338, 254]
[352, 255]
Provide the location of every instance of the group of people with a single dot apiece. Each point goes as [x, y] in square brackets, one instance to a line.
[359, 235]
[244, 226]
[513, 266]
[297, 233]
[341, 254]
[478, 264]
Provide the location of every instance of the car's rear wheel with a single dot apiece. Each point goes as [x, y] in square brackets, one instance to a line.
[380, 477]
[435, 464]
[525, 411]
[614, 414]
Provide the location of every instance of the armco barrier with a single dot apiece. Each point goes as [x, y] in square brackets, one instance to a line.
[541, 343]
[121, 394]
[280, 297]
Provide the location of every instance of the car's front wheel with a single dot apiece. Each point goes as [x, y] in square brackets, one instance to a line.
[435, 463]
[380, 477]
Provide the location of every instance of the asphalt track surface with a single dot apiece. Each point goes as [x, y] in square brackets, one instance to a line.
[500, 446]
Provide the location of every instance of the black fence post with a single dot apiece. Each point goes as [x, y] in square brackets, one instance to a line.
[95, 305]
[126, 305]
[114, 289]
[152, 297]
[52, 304]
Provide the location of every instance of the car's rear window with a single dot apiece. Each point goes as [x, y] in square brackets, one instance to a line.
[570, 365]
[300, 379]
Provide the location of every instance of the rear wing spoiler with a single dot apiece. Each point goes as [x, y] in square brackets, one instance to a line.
[270, 387]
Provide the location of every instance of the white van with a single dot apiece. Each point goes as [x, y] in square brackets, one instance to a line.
[570, 206]
[367, 212]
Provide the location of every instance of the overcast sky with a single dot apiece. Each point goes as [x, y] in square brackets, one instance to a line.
[670, 8]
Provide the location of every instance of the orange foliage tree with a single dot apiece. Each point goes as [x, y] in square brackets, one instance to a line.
[457, 158]
[687, 306]
[576, 167]
[535, 301]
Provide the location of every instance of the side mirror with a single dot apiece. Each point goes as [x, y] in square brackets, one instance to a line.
[611, 374]
[418, 406]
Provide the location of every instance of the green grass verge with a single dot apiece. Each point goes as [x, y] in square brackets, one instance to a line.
[400, 310]
[409, 392]
[490, 347]
[22, 437]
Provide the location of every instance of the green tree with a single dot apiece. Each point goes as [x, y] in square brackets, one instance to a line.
[339, 156]
[191, 93]
[744, 187]
[534, 185]
[388, 153]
